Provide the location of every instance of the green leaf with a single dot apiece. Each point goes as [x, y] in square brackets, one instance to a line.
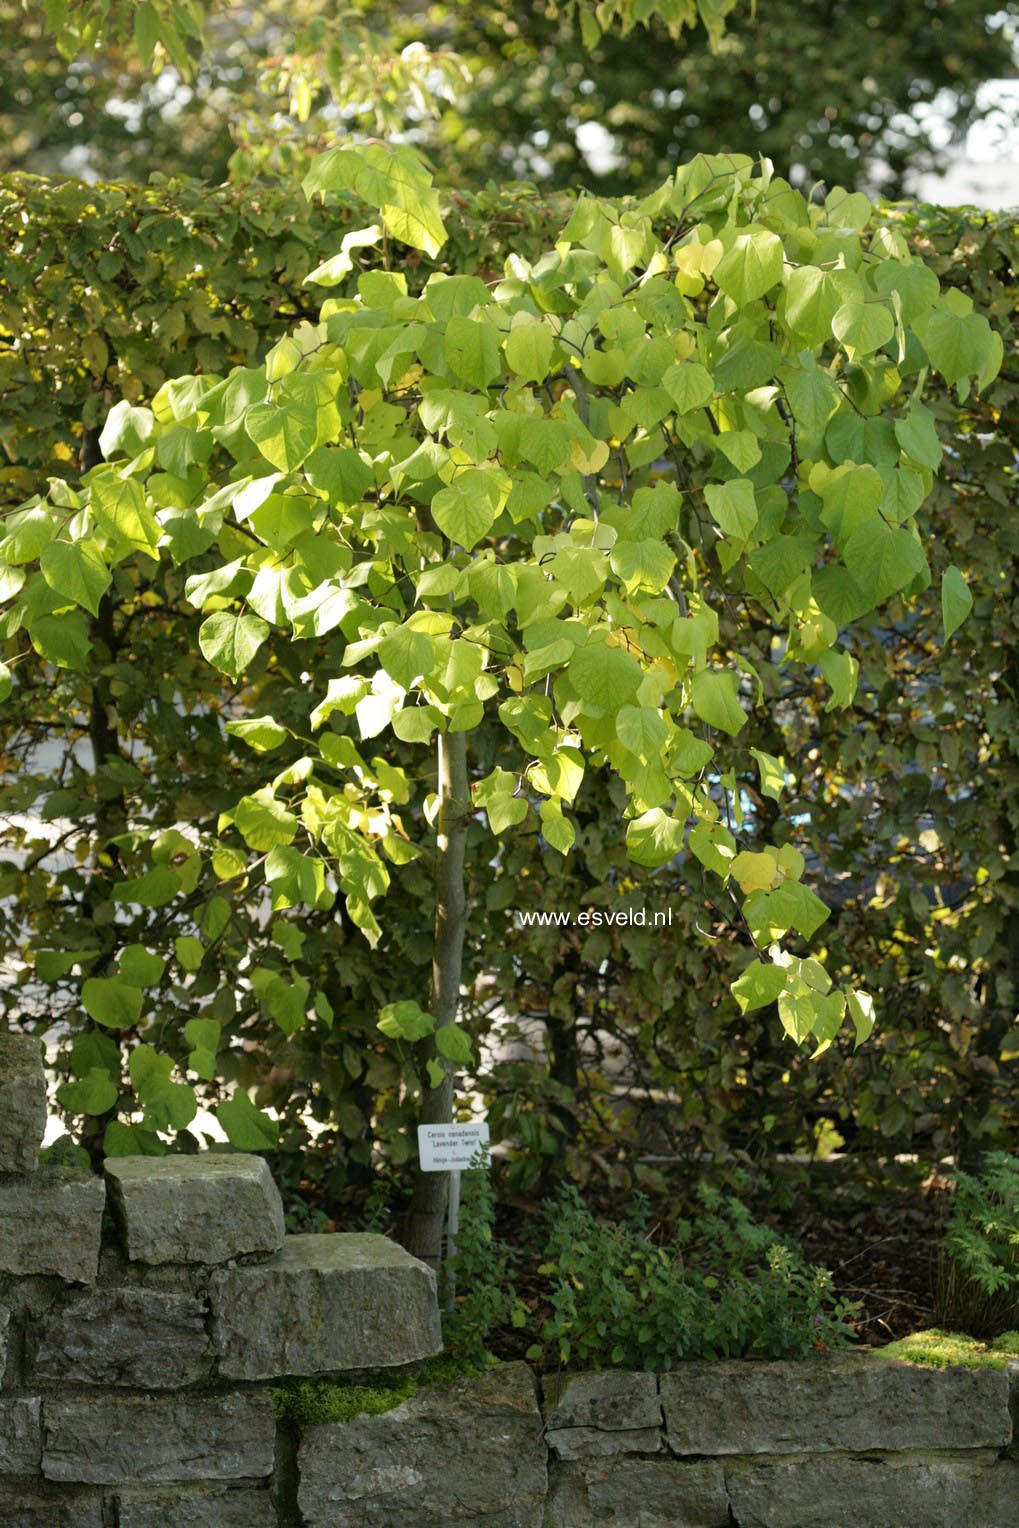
[772, 772]
[956, 600]
[883, 560]
[6, 682]
[120, 508]
[861, 1011]
[189, 952]
[153, 889]
[406, 654]
[654, 838]
[642, 730]
[863, 326]
[230, 642]
[203, 1037]
[469, 507]
[285, 434]
[714, 697]
[604, 675]
[75, 571]
[689, 385]
[406, 1020]
[813, 297]
[246, 1127]
[111, 1002]
[841, 672]
[127, 431]
[733, 506]
[471, 349]
[95, 1093]
[759, 985]
[139, 967]
[529, 351]
[751, 266]
[262, 733]
[388, 176]
[454, 1044]
[126, 1140]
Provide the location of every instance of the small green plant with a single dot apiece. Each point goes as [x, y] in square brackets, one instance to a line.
[935, 1349]
[485, 1296]
[978, 1271]
[723, 1286]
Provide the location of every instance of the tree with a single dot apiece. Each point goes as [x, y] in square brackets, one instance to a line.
[845, 94]
[527, 502]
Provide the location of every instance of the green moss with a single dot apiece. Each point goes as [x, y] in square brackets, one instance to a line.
[305, 1402]
[944, 1350]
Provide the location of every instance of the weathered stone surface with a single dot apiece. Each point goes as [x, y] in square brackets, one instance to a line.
[20, 1436]
[52, 1507]
[125, 1336]
[851, 1403]
[592, 1415]
[227, 1509]
[136, 1439]
[5, 1329]
[324, 1303]
[22, 1102]
[195, 1209]
[51, 1223]
[637, 1493]
[832, 1491]
[456, 1456]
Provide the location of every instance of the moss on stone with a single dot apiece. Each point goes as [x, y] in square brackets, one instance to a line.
[306, 1402]
[944, 1350]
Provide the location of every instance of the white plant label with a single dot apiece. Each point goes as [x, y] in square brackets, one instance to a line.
[452, 1148]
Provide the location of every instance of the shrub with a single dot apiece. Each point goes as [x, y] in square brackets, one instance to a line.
[477, 1286]
[722, 1287]
[978, 1271]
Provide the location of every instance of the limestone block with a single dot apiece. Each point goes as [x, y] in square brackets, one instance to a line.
[239, 1508]
[136, 1439]
[637, 1493]
[843, 1491]
[48, 1507]
[22, 1102]
[195, 1209]
[51, 1223]
[593, 1415]
[324, 1303]
[124, 1336]
[20, 1436]
[455, 1456]
[849, 1402]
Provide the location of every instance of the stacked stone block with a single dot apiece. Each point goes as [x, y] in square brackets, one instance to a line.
[144, 1320]
[133, 1312]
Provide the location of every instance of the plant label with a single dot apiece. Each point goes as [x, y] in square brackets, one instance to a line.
[452, 1148]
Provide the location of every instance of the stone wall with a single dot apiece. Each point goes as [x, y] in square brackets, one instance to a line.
[143, 1321]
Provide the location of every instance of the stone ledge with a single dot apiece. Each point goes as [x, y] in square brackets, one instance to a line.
[124, 1336]
[195, 1209]
[848, 1404]
[127, 1439]
[51, 1223]
[597, 1414]
[22, 1102]
[324, 1304]
[873, 1492]
[621, 1493]
[454, 1456]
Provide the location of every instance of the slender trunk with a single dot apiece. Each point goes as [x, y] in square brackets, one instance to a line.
[428, 1204]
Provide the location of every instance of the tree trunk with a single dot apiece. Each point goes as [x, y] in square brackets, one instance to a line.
[428, 1204]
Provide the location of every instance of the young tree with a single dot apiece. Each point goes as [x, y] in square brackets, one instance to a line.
[527, 500]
